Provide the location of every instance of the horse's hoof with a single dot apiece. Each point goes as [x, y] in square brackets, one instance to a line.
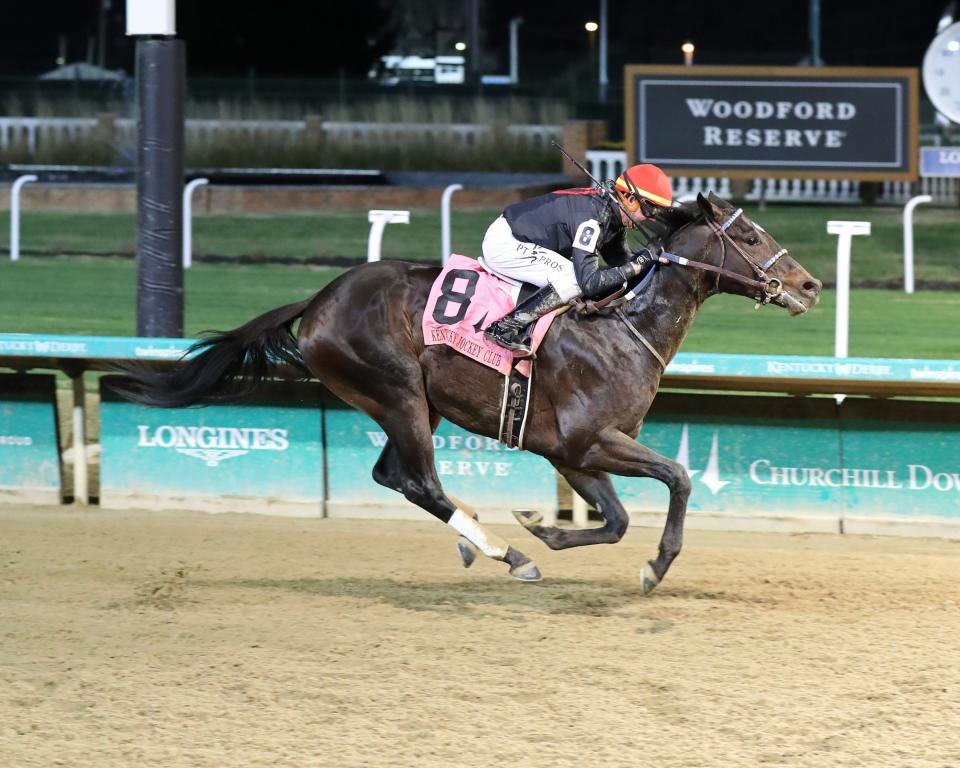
[467, 551]
[648, 579]
[528, 517]
[527, 572]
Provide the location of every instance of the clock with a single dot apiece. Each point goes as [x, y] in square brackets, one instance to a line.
[941, 72]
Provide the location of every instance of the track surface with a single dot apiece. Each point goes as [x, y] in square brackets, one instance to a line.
[173, 639]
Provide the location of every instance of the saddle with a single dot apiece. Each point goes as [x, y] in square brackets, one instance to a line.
[465, 298]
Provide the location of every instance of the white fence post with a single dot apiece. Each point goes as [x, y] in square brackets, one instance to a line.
[81, 493]
[581, 511]
[188, 220]
[908, 239]
[15, 214]
[845, 230]
[445, 221]
[379, 220]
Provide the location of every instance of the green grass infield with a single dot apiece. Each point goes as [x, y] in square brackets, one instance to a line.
[82, 295]
[339, 237]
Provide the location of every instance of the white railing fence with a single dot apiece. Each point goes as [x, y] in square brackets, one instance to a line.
[31, 131]
[35, 132]
[607, 164]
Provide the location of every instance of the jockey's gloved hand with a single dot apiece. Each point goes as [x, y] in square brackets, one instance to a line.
[649, 252]
[654, 247]
[643, 254]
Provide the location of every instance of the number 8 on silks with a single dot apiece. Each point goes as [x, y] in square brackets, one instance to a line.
[452, 293]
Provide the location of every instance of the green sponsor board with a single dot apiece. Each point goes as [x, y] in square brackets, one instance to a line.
[29, 443]
[265, 455]
[907, 455]
[774, 456]
[747, 456]
[479, 470]
[726, 444]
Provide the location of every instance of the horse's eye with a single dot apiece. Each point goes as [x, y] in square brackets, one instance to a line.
[752, 240]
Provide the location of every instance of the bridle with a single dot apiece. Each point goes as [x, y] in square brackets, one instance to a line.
[767, 288]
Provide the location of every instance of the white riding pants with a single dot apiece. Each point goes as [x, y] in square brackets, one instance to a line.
[528, 262]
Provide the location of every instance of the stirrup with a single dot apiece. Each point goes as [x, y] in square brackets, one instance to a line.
[507, 343]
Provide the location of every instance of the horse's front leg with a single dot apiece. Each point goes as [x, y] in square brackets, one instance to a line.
[620, 454]
[616, 453]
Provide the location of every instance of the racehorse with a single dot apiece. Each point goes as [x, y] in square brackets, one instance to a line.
[597, 374]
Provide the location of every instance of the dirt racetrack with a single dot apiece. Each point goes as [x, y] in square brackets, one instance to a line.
[174, 639]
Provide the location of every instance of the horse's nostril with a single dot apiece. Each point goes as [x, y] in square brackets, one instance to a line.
[812, 286]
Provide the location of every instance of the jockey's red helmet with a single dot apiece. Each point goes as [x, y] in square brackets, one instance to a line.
[644, 181]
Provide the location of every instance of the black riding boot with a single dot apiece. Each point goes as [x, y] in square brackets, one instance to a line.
[510, 330]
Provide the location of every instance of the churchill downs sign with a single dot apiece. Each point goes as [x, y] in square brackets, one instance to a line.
[865, 459]
[774, 121]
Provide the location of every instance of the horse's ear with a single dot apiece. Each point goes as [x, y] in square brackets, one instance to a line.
[710, 211]
[718, 201]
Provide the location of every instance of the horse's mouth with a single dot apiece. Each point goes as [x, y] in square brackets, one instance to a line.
[792, 304]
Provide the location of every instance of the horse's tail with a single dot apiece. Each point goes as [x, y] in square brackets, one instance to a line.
[226, 366]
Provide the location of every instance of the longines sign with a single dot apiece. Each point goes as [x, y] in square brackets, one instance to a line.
[264, 454]
[831, 122]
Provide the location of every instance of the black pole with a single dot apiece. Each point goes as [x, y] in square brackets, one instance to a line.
[473, 51]
[815, 59]
[161, 68]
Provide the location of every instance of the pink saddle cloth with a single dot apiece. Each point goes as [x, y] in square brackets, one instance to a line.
[464, 300]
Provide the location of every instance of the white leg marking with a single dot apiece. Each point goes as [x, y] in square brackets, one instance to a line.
[490, 545]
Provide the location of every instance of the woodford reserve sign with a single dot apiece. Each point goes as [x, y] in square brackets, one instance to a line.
[827, 122]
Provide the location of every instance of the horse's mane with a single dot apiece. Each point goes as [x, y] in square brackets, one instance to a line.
[668, 221]
[678, 216]
[671, 220]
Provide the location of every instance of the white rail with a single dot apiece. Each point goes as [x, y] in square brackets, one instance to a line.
[908, 239]
[189, 187]
[15, 214]
[445, 221]
[378, 222]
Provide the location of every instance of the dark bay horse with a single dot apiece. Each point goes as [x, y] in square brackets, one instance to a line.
[596, 375]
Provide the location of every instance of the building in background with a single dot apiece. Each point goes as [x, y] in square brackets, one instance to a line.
[438, 70]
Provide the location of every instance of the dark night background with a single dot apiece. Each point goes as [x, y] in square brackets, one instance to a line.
[303, 38]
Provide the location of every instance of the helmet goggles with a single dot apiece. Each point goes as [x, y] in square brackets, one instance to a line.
[644, 188]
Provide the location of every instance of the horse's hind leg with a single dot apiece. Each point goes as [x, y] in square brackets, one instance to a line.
[595, 487]
[407, 465]
[390, 473]
[367, 365]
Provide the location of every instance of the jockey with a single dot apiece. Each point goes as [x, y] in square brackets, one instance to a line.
[554, 241]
